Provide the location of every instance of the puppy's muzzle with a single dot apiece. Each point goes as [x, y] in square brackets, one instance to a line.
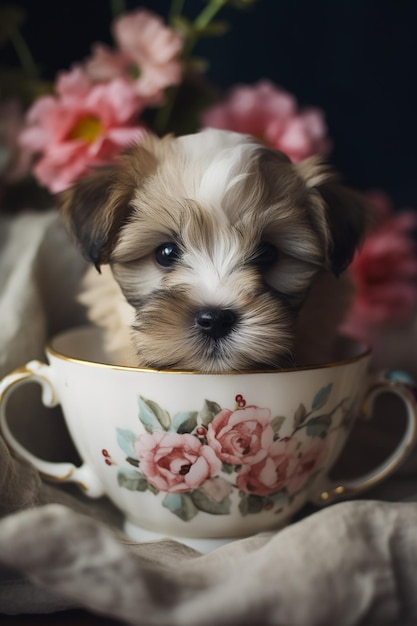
[215, 323]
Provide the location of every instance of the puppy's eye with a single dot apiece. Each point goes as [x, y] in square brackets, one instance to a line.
[265, 255]
[167, 254]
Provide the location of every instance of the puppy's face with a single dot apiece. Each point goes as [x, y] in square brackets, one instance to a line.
[214, 240]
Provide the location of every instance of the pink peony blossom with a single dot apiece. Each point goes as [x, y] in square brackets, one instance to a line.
[15, 162]
[175, 463]
[273, 472]
[272, 115]
[242, 436]
[384, 273]
[82, 126]
[148, 55]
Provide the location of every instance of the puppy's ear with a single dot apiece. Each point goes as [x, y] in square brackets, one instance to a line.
[97, 206]
[342, 214]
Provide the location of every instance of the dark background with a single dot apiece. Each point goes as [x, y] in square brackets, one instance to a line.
[356, 59]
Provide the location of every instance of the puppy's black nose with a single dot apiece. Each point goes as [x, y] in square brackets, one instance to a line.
[215, 323]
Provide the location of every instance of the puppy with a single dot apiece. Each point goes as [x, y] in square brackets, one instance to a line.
[218, 253]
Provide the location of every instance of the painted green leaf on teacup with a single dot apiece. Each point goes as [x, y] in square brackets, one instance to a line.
[321, 397]
[152, 416]
[132, 480]
[228, 468]
[209, 411]
[184, 422]
[250, 504]
[277, 422]
[181, 505]
[318, 426]
[349, 416]
[279, 499]
[300, 415]
[205, 503]
[126, 440]
[132, 461]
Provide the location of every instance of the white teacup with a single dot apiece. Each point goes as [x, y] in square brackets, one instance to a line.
[205, 458]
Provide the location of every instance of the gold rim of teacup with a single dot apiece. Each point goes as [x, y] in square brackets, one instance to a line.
[366, 351]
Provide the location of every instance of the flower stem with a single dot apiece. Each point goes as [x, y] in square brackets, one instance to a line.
[175, 10]
[24, 54]
[201, 22]
[208, 13]
[163, 116]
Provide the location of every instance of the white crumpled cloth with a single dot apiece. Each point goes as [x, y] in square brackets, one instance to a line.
[352, 564]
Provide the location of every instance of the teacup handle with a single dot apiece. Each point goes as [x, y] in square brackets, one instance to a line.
[36, 371]
[400, 384]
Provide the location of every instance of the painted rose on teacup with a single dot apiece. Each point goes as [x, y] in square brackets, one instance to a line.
[242, 436]
[175, 463]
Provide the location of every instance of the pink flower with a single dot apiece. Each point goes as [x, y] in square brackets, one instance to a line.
[175, 463]
[148, 54]
[272, 473]
[272, 115]
[309, 462]
[15, 162]
[84, 125]
[242, 436]
[384, 273]
[283, 467]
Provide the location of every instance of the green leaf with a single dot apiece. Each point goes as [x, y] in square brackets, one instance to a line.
[126, 440]
[214, 29]
[318, 426]
[152, 415]
[154, 490]
[321, 397]
[236, 4]
[181, 505]
[300, 415]
[11, 19]
[242, 4]
[228, 468]
[132, 480]
[203, 502]
[348, 417]
[198, 65]
[184, 422]
[277, 422]
[209, 411]
[182, 24]
[250, 504]
[279, 498]
[16, 83]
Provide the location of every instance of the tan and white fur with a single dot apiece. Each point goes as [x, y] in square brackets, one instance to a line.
[216, 253]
